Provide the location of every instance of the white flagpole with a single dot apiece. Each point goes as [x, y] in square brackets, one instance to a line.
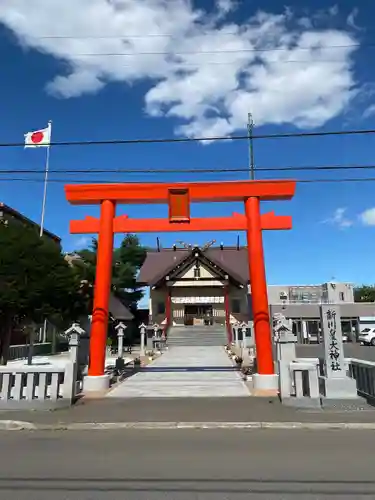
[46, 181]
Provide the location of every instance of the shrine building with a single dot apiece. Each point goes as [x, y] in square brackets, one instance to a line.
[195, 286]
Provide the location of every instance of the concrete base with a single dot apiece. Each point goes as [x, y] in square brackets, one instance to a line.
[339, 388]
[265, 383]
[99, 383]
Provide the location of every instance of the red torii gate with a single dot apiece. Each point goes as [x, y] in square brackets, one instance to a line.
[179, 196]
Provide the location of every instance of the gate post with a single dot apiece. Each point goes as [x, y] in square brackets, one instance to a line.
[96, 379]
[265, 379]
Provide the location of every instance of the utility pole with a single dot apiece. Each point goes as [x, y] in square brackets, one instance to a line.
[250, 126]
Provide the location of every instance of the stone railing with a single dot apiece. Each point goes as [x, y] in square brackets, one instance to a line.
[37, 387]
[364, 374]
[41, 386]
[299, 382]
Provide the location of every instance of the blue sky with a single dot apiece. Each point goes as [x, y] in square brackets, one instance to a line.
[195, 73]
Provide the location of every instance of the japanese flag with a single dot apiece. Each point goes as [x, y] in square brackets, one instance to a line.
[38, 138]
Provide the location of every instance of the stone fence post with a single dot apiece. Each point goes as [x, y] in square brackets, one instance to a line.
[120, 329]
[71, 369]
[285, 342]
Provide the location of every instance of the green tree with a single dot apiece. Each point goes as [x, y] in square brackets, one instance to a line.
[127, 260]
[35, 282]
[364, 293]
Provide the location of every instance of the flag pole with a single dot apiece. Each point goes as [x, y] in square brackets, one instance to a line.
[46, 171]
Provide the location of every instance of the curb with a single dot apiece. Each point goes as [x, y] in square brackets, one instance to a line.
[15, 425]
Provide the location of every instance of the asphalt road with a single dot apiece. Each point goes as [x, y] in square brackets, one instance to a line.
[187, 465]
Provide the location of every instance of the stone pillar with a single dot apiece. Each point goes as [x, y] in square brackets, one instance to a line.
[235, 328]
[71, 369]
[167, 312]
[285, 353]
[265, 379]
[120, 329]
[227, 315]
[143, 331]
[96, 379]
[155, 337]
[337, 385]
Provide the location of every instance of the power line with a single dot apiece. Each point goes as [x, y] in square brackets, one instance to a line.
[208, 33]
[170, 35]
[207, 52]
[85, 181]
[191, 170]
[199, 139]
[184, 64]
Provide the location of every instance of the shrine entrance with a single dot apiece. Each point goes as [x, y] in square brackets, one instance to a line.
[201, 315]
[179, 196]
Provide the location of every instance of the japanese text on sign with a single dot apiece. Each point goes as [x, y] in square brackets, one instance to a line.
[334, 347]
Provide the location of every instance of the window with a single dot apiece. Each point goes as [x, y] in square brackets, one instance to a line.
[197, 272]
[160, 308]
[236, 306]
[341, 294]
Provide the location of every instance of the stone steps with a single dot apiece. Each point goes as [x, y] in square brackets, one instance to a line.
[197, 336]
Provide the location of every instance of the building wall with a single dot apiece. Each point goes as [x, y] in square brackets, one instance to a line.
[327, 292]
[158, 300]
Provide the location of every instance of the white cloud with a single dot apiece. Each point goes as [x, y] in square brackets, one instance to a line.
[207, 73]
[82, 242]
[351, 19]
[369, 111]
[225, 6]
[368, 217]
[338, 219]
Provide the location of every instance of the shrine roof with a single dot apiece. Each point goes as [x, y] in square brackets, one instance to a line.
[158, 264]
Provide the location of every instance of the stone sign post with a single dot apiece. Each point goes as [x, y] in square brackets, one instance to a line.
[337, 384]
[120, 329]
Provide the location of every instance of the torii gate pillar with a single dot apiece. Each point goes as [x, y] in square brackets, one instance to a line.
[265, 379]
[97, 380]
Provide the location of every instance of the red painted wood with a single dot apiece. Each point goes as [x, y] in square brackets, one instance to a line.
[237, 222]
[146, 193]
[257, 273]
[179, 206]
[99, 326]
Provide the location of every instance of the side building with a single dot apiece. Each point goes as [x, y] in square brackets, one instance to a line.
[9, 215]
[207, 286]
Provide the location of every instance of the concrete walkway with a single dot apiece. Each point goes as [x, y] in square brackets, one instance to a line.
[183, 372]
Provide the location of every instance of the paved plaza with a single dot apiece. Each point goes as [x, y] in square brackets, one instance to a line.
[185, 372]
